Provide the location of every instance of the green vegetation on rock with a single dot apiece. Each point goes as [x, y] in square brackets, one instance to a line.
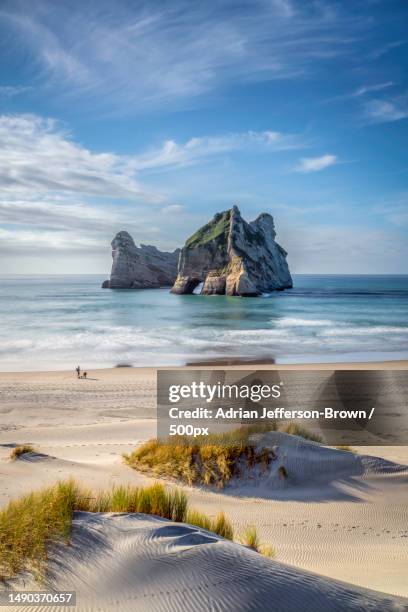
[215, 228]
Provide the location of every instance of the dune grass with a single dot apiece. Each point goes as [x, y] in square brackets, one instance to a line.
[213, 461]
[223, 527]
[298, 430]
[21, 449]
[249, 538]
[29, 524]
[210, 460]
[345, 447]
[219, 525]
[26, 525]
[199, 519]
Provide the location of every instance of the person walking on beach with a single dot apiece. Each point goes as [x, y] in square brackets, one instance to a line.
[84, 375]
[78, 371]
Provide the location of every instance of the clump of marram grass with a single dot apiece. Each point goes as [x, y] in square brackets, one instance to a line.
[199, 519]
[249, 538]
[27, 524]
[345, 447]
[298, 430]
[219, 525]
[266, 550]
[21, 449]
[223, 527]
[30, 524]
[211, 460]
[154, 499]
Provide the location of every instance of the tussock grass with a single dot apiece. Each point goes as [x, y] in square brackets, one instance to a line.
[266, 550]
[219, 525]
[26, 525]
[30, 524]
[199, 519]
[21, 449]
[210, 460]
[155, 499]
[347, 448]
[223, 527]
[298, 430]
[249, 538]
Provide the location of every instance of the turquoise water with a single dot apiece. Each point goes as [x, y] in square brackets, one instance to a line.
[56, 322]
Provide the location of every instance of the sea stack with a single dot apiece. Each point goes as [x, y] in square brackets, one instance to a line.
[233, 257]
[143, 267]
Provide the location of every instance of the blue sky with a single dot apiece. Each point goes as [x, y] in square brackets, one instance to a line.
[152, 116]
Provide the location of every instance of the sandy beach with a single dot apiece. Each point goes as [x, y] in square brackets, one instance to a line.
[347, 528]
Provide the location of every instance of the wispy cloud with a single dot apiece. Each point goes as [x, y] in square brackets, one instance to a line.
[51, 184]
[382, 50]
[316, 164]
[356, 249]
[138, 54]
[36, 155]
[395, 210]
[365, 89]
[10, 91]
[360, 92]
[385, 111]
[56, 214]
[171, 154]
[57, 194]
[172, 209]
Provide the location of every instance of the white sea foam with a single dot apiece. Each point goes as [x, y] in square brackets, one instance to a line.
[293, 322]
[364, 331]
[54, 324]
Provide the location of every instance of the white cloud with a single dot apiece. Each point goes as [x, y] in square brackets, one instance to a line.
[315, 164]
[37, 156]
[56, 192]
[56, 214]
[172, 209]
[156, 54]
[172, 154]
[385, 111]
[361, 91]
[380, 51]
[32, 241]
[310, 248]
[395, 210]
[10, 91]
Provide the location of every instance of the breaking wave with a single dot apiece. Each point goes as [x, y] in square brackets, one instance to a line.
[53, 325]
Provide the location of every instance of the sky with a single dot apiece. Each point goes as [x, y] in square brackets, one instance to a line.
[151, 116]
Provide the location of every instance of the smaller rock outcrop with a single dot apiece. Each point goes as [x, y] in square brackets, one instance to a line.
[233, 257]
[143, 267]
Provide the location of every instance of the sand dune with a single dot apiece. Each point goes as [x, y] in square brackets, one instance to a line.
[309, 466]
[141, 563]
[338, 514]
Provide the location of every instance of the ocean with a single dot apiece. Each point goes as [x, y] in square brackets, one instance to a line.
[58, 322]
